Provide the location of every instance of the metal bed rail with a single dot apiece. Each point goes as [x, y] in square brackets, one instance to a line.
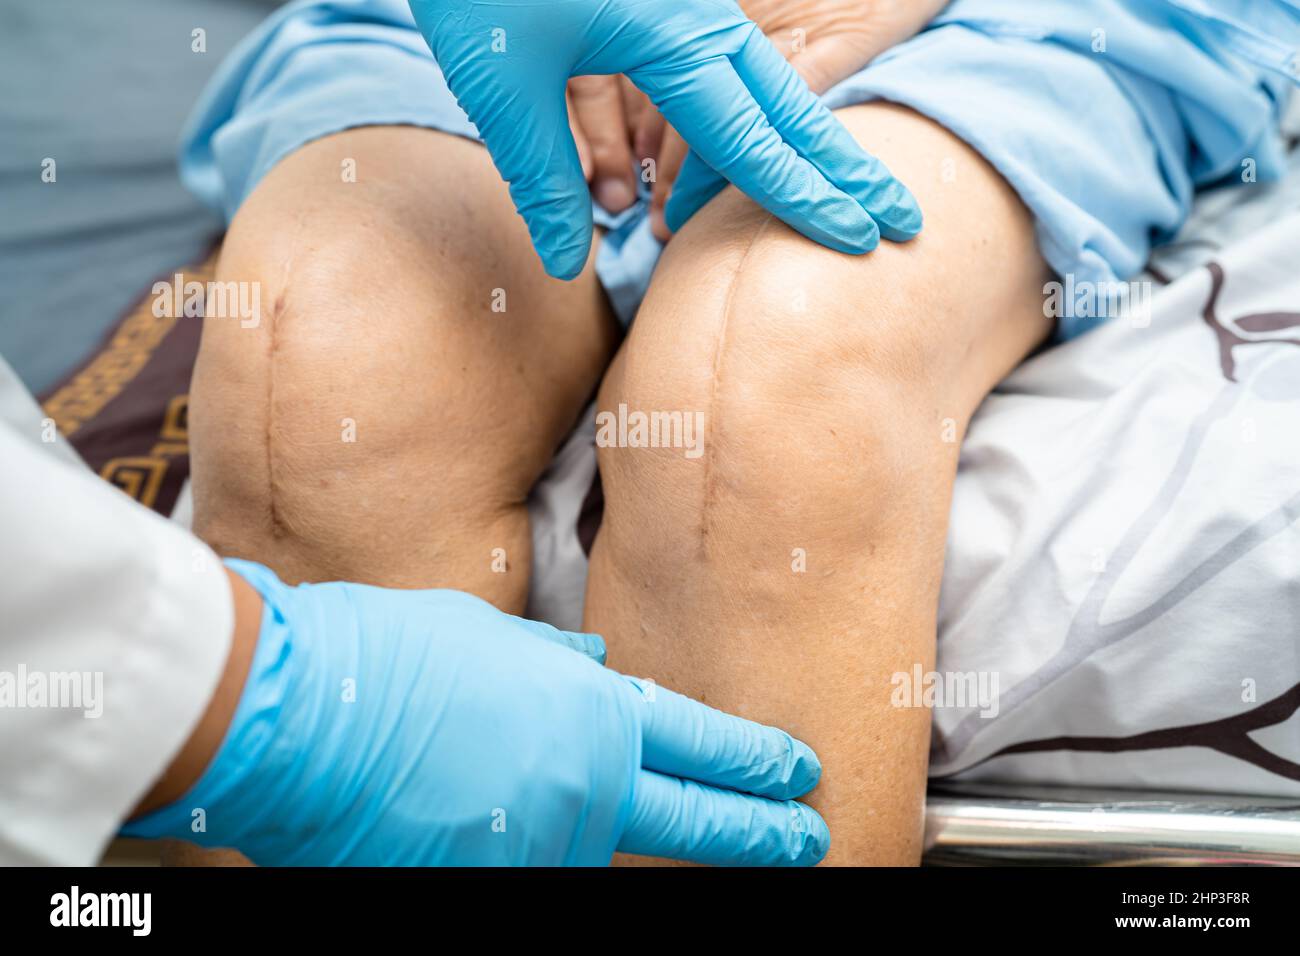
[1012, 825]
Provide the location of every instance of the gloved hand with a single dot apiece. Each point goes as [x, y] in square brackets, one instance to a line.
[710, 71]
[428, 728]
[826, 41]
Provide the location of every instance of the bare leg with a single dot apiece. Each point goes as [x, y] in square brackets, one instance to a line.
[383, 423]
[791, 569]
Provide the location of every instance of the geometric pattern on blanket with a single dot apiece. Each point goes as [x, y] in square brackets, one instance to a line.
[126, 408]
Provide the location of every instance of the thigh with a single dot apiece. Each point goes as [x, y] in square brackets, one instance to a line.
[791, 569]
[412, 371]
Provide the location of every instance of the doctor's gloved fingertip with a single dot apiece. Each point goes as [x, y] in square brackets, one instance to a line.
[564, 269]
[805, 770]
[832, 218]
[557, 211]
[896, 212]
[810, 838]
[588, 645]
[902, 229]
[859, 240]
[565, 261]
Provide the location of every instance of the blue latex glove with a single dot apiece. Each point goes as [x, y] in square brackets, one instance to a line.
[710, 71]
[428, 728]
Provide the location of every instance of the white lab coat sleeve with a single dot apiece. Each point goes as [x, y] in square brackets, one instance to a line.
[118, 616]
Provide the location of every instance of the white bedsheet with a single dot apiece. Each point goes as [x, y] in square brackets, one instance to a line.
[1125, 542]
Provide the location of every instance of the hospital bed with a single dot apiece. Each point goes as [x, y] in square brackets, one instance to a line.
[1125, 544]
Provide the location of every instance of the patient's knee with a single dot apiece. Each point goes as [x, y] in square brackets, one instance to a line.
[813, 417]
[412, 373]
[354, 433]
